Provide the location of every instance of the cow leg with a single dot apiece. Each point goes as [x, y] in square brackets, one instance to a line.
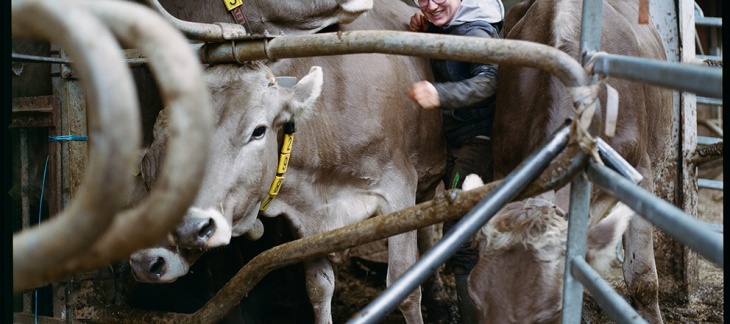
[639, 266]
[433, 289]
[640, 269]
[402, 254]
[320, 283]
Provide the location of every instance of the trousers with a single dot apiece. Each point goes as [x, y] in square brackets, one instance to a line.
[472, 156]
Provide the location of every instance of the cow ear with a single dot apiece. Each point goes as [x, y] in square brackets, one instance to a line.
[306, 92]
[604, 236]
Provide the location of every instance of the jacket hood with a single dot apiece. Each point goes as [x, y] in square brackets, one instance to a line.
[491, 11]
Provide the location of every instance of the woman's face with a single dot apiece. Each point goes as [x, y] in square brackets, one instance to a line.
[441, 14]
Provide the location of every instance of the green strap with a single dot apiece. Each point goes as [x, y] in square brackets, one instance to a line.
[455, 182]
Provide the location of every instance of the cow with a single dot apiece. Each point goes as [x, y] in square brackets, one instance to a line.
[283, 18]
[363, 150]
[532, 104]
[531, 235]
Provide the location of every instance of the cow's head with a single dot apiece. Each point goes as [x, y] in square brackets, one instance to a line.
[302, 17]
[250, 109]
[519, 275]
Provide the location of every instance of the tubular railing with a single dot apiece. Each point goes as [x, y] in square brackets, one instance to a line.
[93, 229]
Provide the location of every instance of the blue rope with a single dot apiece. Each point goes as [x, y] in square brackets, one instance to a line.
[40, 212]
[67, 138]
[43, 187]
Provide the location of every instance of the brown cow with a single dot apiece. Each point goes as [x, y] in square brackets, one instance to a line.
[532, 104]
[283, 17]
[364, 150]
[530, 237]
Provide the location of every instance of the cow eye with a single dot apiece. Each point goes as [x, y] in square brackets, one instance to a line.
[259, 132]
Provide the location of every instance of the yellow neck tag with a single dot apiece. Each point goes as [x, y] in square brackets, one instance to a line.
[280, 169]
[232, 4]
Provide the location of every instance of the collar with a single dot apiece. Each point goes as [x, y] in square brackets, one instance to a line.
[285, 153]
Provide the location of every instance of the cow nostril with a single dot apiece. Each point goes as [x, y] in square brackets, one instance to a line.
[157, 267]
[207, 230]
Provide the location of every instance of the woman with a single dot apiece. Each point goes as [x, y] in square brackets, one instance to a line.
[464, 92]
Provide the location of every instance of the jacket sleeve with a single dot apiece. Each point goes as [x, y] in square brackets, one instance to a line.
[476, 90]
[468, 93]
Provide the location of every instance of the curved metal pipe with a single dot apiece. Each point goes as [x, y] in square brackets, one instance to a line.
[179, 76]
[113, 129]
[200, 31]
[462, 48]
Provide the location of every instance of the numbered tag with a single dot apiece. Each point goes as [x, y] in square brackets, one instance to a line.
[276, 185]
[283, 163]
[288, 142]
[232, 4]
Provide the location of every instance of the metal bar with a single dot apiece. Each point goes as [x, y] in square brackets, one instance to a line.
[708, 21]
[714, 227]
[707, 140]
[55, 60]
[609, 300]
[701, 80]
[452, 47]
[670, 219]
[590, 34]
[617, 162]
[200, 31]
[38, 59]
[515, 182]
[712, 126]
[714, 58]
[709, 101]
[580, 193]
[709, 184]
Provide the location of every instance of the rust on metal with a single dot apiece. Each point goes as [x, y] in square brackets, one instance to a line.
[38, 111]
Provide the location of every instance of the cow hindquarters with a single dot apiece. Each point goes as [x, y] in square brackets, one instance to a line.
[639, 266]
[320, 283]
[402, 254]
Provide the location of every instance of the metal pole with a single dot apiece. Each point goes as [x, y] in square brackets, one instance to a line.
[452, 47]
[670, 219]
[580, 194]
[515, 182]
[590, 32]
[702, 80]
[609, 300]
[617, 162]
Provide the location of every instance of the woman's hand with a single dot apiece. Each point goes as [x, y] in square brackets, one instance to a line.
[424, 94]
[419, 23]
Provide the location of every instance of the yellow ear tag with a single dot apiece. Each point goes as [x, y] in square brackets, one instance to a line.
[232, 4]
[287, 145]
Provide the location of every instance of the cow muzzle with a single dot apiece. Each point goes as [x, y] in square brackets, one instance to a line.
[202, 229]
[158, 265]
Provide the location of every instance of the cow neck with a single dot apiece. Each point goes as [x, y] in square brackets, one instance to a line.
[234, 7]
[285, 152]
